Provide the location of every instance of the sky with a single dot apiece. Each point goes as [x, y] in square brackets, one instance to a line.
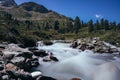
[85, 9]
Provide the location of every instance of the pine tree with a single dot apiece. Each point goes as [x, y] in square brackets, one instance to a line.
[90, 26]
[118, 26]
[106, 25]
[77, 24]
[70, 26]
[47, 26]
[113, 26]
[56, 25]
[102, 24]
[97, 25]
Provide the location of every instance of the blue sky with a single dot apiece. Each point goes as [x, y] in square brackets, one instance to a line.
[85, 9]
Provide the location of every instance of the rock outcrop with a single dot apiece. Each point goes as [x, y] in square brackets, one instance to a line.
[94, 44]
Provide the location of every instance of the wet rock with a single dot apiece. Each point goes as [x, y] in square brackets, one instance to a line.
[5, 77]
[8, 56]
[36, 74]
[34, 62]
[1, 54]
[1, 77]
[21, 46]
[2, 46]
[45, 78]
[10, 66]
[75, 79]
[74, 45]
[19, 61]
[46, 59]
[25, 54]
[54, 58]
[47, 43]
[1, 67]
[19, 75]
[40, 53]
[93, 44]
[32, 49]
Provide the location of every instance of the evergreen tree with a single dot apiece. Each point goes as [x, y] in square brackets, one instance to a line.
[90, 26]
[70, 26]
[106, 25]
[97, 25]
[118, 26]
[102, 24]
[56, 25]
[47, 26]
[113, 26]
[77, 24]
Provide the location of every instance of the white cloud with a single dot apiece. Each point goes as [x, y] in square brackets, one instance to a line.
[98, 16]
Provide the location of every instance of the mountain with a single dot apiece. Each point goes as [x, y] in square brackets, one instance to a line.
[31, 6]
[7, 3]
[30, 22]
[31, 11]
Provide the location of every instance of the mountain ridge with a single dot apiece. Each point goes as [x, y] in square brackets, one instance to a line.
[32, 11]
[8, 3]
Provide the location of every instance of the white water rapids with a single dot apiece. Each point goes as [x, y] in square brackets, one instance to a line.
[74, 63]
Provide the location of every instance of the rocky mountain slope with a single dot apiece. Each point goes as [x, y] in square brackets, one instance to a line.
[7, 3]
[29, 11]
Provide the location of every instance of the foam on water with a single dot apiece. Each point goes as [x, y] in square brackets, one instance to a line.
[82, 64]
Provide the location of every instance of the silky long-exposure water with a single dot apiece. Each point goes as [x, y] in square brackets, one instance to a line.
[74, 63]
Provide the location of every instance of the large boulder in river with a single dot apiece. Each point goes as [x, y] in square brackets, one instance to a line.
[40, 53]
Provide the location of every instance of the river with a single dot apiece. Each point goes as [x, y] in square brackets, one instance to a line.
[74, 63]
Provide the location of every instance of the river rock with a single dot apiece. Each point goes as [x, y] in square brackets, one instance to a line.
[10, 66]
[40, 53]
[36, 74]
[19, 61]
[5, 77]
[75, 79]
[32, 49]
[8, 56]
[94, 44]
[25, 54]
[47, 43]
[54, 58]
[34, 62]
[1, 67]
[19, 75]
[46, 59]
[45, 78]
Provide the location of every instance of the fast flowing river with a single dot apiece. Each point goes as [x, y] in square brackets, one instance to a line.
[74, 63]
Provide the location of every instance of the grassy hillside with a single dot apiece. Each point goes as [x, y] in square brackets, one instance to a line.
[27, 24]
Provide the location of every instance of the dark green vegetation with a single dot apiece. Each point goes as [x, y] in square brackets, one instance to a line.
[30, 22]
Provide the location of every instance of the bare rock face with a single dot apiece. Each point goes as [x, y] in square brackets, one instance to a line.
[7, 3]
